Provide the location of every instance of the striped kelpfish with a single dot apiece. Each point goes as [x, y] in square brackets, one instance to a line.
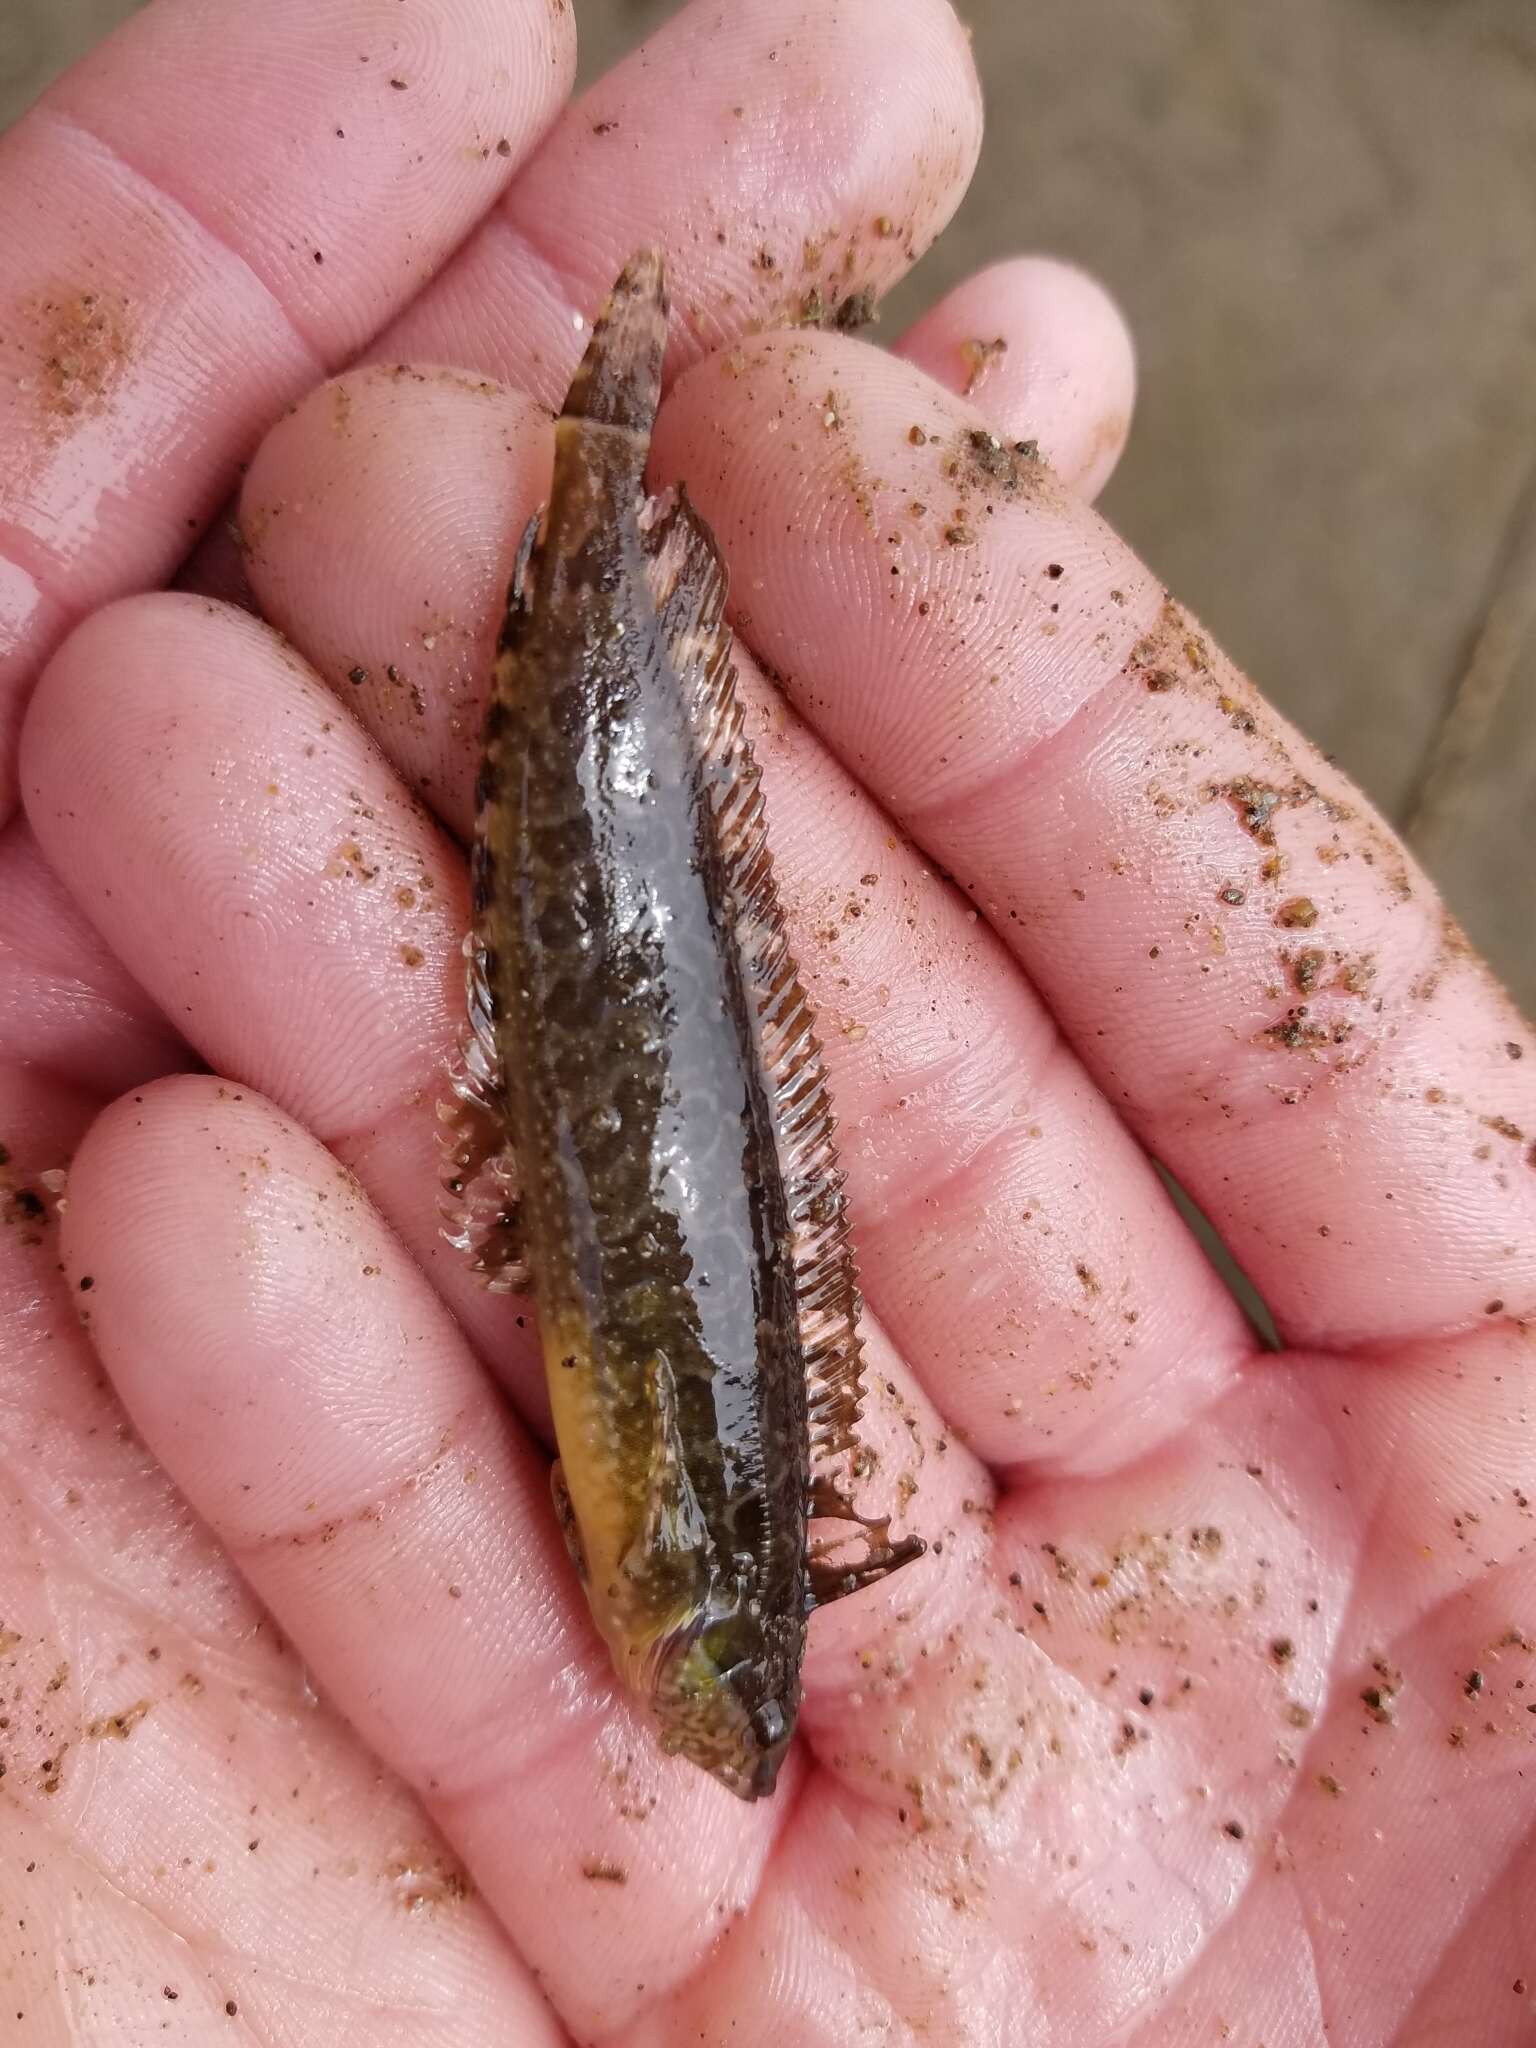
[641, 1133]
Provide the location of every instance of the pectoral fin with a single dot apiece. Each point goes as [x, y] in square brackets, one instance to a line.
[674, 1522]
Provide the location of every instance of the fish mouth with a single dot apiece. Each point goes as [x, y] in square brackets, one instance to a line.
[756, 1782]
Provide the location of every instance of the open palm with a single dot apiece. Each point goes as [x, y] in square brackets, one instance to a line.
[1211, 1713]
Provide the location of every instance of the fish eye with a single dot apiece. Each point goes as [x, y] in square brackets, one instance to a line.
[768, 1724]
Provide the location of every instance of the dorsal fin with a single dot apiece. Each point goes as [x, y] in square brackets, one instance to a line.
[688, 583]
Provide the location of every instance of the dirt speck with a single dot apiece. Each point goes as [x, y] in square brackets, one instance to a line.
[1255, 804]
[1298, 913]
[855, 310]
[425, 1882]
[986, 462]
[1502, 1126]
[1307, 968]
[977, 357]
[119, 1726]
[1356, 977]
[1296, 1032]
[86, 343]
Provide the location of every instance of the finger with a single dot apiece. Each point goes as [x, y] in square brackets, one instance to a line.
[67, 1005]
[1066, 376]
[218, 1847]
[292, 910]
[1044, 352]
[452, 469]
[199, 218]
[1052, 1313]
[286, 1360]
[1234, 943]
[822, 151]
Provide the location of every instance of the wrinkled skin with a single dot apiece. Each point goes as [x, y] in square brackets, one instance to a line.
[1209, 1715]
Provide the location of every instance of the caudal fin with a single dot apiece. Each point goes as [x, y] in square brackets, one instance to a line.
[619, 381]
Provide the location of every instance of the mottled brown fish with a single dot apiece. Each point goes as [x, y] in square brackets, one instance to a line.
[642, 1049]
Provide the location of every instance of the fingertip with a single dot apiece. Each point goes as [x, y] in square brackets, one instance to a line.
[243, 1291]
[119, 1240]
[823, 150]
[52, 708]
[397, 610]
[212, 205]
[1041, 348]
[140, 1150]
[397, 127]
[936, 49]
[161, 631]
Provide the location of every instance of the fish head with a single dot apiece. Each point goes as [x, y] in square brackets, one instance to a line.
[725, 1694]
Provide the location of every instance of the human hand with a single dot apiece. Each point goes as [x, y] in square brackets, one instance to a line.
[993, 1833]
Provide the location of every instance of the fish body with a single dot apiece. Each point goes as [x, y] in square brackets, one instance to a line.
[643, 1044]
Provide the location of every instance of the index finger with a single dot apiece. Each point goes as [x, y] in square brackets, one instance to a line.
[202, 217]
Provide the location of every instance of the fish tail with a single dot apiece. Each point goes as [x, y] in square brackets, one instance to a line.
[619, 381]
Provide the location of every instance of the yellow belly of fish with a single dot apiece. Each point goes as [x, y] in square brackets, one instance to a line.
[610, 1488]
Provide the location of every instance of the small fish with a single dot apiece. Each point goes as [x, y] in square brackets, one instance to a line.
[641, 1133]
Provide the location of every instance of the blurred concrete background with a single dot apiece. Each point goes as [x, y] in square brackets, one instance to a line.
[1321, 219]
